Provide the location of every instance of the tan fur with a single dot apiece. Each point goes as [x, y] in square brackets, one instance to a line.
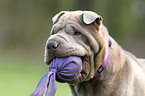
[124, 74]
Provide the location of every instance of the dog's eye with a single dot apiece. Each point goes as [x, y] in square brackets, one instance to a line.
[77, 33]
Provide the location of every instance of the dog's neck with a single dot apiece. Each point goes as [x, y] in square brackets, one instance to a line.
[116, 64]
[104, 64]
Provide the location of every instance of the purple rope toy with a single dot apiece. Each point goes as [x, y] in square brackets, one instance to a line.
[61, 70]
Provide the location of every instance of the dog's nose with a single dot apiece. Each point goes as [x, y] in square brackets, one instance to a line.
[52, 45]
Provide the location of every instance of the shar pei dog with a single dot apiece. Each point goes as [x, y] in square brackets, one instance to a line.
[107, 69]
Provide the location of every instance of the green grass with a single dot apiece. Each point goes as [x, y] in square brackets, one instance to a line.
[20, 78]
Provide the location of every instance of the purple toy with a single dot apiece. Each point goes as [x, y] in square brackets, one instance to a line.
[62, 70]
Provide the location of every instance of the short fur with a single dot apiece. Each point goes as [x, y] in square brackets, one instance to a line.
[81, 33]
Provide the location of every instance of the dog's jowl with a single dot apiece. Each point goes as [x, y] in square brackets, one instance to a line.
[107, 69]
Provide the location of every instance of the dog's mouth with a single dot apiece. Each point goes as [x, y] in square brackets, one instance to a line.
[63, 50]
[84, 73]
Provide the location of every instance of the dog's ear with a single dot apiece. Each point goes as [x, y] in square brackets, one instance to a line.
[57, 16]
[91, 17]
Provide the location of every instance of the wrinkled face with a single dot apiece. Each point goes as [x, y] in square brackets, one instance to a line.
[73, 34]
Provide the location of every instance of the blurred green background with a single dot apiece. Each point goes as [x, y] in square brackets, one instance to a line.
[25, 27]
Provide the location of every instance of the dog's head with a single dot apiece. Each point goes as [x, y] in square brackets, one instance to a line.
[78, 33]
